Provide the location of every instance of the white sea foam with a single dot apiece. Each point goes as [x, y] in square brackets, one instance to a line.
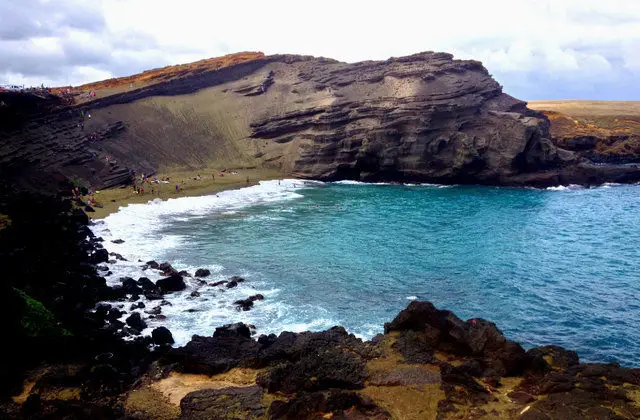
[412, 297]
[349, 182]
[570, 187]
[140, 226]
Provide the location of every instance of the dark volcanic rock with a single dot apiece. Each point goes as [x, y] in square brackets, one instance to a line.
[100, 256]
[337, 404]
[167, 268]
[118, 241]
[231, 284]
[218, 283]
[227, 403]
[162, 335]
[135, 321]
[146, 284]
[202, 272]
[442, 330]
[247, 304]
[233, 330]
[173, 283]
[130, 286]
[324, 369]
[152, 264]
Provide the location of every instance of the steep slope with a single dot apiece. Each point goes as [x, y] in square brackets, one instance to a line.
[422, 118]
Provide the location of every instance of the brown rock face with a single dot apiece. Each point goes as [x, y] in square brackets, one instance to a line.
[421, 118]
[424, 117]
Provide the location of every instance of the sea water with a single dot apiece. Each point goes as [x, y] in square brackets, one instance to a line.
[556, 266]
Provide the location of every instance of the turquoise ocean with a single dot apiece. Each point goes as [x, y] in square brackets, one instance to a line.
[556, 266]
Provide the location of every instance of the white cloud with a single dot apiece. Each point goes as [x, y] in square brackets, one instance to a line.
[575, 42]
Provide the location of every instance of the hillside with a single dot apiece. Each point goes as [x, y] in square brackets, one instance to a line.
[603, 131]
[421, 118]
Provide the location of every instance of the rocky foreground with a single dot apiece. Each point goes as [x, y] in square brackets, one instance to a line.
[422, 118]
[66, 357]
[428, 364]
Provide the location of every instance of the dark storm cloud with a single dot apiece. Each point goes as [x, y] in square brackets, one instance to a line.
[24, 19]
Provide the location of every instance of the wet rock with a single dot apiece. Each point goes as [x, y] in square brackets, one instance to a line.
[162, 335]
[102, 268]
[184, 273]
[202, 282]
[218, 283]
[244, 304]
[112, 261]
[130, 286]
[172, 283]
[114, 314]
[233, 330]
[167, 269]
[135, 321]
[127, 331]
[227, 403]
[195, 293]
[89, 209]
[146, 284]
[165, 303]
[191, 310]
[231, 284]
[202, 272]
[247, 304]
[237, 279]
[153, 295]
[118, 241]
[154, 311]
[139, 305]
[152, 264]
[161, 317]
[100, 256]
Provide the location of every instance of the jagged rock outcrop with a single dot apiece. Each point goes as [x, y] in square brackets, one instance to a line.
[425, 117]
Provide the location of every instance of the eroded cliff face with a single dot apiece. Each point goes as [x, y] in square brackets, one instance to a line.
[425, 117]
[422, 118]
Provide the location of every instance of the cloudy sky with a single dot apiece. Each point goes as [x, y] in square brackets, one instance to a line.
[538, 49]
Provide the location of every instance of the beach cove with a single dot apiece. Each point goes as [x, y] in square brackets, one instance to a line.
[354, 254]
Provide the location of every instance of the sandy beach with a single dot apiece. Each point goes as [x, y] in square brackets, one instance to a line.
[110, 200]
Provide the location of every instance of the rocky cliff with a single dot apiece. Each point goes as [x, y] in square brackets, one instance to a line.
[601, 131]
[422, 118]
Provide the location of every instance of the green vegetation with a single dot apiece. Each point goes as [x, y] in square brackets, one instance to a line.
[38, 321]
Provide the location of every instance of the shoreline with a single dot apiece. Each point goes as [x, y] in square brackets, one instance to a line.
[112, 199]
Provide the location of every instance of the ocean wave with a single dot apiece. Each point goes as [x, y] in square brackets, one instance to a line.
[570, 187]
[139, 224]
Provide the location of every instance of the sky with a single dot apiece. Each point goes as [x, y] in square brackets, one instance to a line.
[537, 49]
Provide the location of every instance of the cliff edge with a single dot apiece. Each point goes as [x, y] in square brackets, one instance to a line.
[421, 118]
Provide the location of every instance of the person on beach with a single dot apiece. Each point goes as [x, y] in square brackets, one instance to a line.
[177, 188]
[213, 177]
